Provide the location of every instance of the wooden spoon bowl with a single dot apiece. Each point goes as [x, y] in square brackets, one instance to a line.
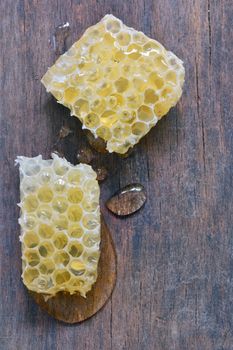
[74, 308]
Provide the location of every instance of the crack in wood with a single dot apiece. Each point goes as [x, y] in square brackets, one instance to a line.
[210, 32]
[198, 112]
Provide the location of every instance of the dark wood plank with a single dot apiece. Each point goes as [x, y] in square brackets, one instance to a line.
[175, 279]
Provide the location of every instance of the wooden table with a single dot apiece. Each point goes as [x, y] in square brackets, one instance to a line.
[175, 256]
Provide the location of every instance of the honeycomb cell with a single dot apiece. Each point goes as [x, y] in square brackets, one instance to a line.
[153, 48]
[134, 51]
[44, 283]
[77, 78]
[30, 239]
[107, 39]
[77, 282]
[46, 249]
[94, 75]
[171, 77]
[32, 168]
[45, 231]
[44, 212]
[61, 223]
[92, 258]
[121, 84]
[70, 95]
[150, 96]
[123, 38]
[88, 93]
[139, 84]
[103, 132]
[60, 168]
[156, 81]
[108, 118]
[45, 194]
[77, 268]
[119, 56]
[90, 206]
[145, 113]
[139, 128]
[47, 267]
[91, 120]
[117, 61]
[29, 275]
[75, 249]
[121, 131]
[112, 101]
[60, 240]
[28, 221]
[74, 176]
[62, 276]
[75, 195]
[61, 259]
[58, 85]
[166, 92]
[30, 203]
[161, 108]
[66, 67]
[90, 240]
[98, 106]
[127, 69]
[59, 185]
[28, 185]
[113, 25]
[54, 198]
[91, 189]
[32, 257]
[91, 276]
[135, 100]
[45, 176]
[59, 204]
[127, 117]
[81, 107]
[161, 64]
[104, 90]
[139, 38]
[75, 231]
[74, 212]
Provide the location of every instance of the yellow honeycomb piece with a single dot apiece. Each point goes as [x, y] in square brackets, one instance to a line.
[60, 225]
[117, 81]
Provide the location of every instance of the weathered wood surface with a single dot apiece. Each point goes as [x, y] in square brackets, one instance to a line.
[175, 260]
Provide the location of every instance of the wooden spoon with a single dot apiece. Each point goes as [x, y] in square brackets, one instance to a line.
[74, 308]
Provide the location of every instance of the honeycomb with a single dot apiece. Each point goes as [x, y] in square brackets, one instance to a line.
[60, 225]
[117, 81]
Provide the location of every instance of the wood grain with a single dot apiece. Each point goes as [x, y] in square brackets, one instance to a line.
[74, 308]
[175, 264]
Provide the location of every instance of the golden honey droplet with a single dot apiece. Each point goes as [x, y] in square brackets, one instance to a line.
[128, 200]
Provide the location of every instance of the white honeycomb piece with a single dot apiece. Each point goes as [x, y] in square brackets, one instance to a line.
[117, 81]
[60, 225]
